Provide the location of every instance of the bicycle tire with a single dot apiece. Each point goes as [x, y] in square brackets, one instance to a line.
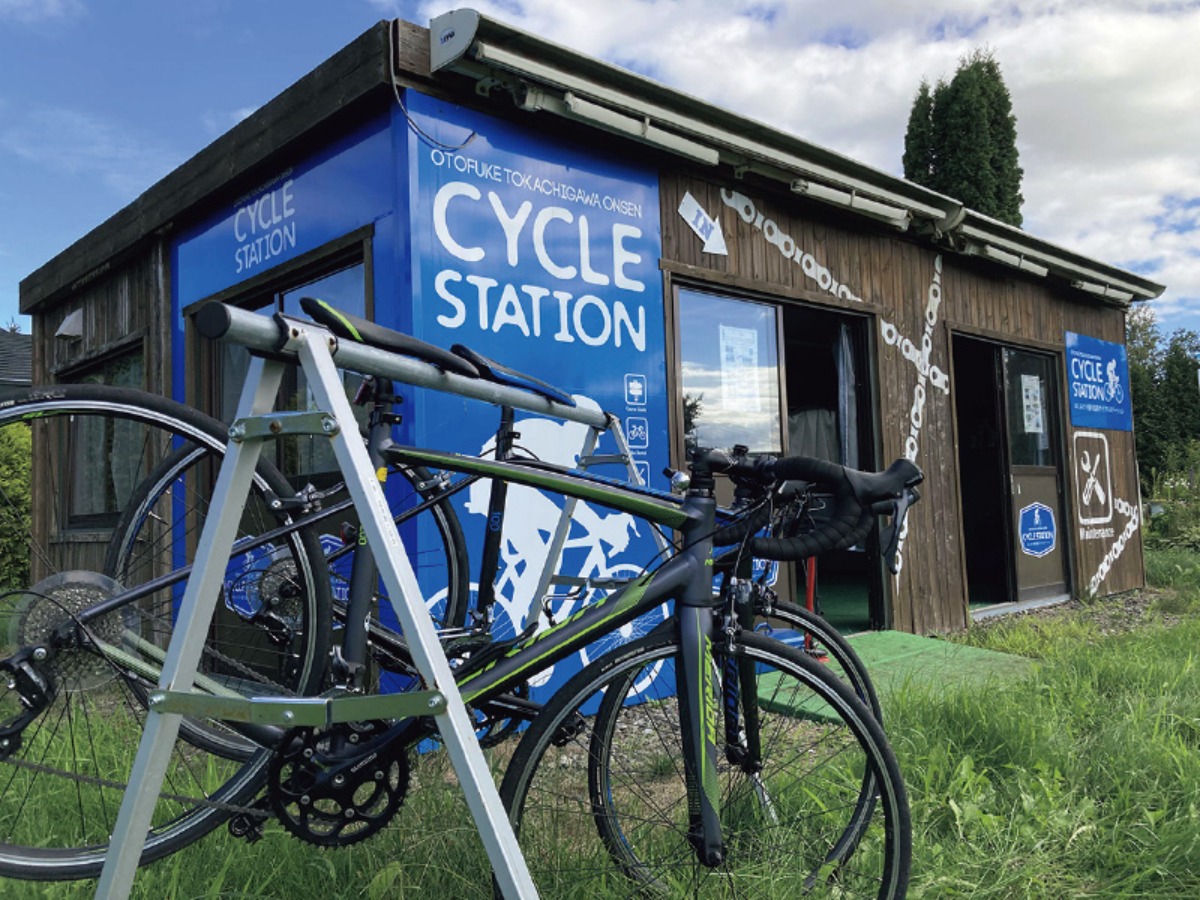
[596, 789]
[68, 762]
[820, 639]
[420, 504]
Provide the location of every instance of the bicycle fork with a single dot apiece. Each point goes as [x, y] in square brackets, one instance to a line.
[697, 690]
[718, 697]
[696, 682]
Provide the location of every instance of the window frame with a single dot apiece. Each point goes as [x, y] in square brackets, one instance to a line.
[83, 371]
[266, 292]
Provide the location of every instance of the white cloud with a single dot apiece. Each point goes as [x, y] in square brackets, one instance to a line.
[71, 142]
[1106, 93]
[41, 10]
[217, 123]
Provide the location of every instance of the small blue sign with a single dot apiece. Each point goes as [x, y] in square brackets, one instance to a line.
[1038, 534]
[1098, 383]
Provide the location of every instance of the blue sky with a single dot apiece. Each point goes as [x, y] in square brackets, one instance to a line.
[99, 99]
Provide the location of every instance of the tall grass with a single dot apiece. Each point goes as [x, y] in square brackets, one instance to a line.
[1079, 780]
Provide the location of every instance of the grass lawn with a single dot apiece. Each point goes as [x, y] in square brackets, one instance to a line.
[1081, 779]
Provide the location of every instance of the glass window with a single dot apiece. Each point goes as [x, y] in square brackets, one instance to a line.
[1029, 388]
[304, 458]
[729, 360]
[105, 456]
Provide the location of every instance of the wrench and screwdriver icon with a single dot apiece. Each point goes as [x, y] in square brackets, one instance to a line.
[1091, 467]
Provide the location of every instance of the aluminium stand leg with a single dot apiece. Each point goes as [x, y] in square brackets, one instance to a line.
[216, 543]
[187, 641]
[457, 729]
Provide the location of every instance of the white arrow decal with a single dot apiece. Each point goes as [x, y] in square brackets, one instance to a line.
[706, 227]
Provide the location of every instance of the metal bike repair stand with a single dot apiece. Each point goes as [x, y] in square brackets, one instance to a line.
[255, 423]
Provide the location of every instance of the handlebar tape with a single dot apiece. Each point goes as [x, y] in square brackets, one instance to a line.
[857, 498]
[849, 523]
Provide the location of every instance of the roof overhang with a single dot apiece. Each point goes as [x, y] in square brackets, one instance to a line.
[543, 76]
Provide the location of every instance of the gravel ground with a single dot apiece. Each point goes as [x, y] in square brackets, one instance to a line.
[1117, 614]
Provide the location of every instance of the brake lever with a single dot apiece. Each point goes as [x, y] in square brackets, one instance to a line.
[890, 534]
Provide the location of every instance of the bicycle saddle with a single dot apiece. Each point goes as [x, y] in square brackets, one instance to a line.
[491, 370]
[362, 331]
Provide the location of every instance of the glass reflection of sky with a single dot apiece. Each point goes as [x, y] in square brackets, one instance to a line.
[737, 386]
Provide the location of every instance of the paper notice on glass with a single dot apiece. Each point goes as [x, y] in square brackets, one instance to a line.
[739, 369]
[1031, 399]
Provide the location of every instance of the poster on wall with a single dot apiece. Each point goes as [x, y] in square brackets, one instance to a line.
[1031, 401]
[1098, 384]
[544, 256]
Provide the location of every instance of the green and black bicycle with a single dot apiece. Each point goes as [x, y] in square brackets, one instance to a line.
[700, 758]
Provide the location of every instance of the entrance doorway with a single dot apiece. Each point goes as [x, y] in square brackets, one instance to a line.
[791, 379]
[1010, 469]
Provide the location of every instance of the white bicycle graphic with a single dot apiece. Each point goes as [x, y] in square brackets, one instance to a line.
[1114, 391]
[602, 552]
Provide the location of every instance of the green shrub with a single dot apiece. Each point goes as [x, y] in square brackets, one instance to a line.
[15, 453]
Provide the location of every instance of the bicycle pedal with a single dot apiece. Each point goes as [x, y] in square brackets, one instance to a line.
[248, 826]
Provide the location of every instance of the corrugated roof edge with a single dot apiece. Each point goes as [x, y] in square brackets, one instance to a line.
[363, 68]
[547, 76]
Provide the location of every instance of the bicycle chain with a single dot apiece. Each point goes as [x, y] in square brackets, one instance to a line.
[232, 808]
[96, 781]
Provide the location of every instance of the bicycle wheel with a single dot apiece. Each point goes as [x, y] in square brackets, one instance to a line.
[596, 789]
[819, 639]
[72, 714]
[421, 509]
[420, 505]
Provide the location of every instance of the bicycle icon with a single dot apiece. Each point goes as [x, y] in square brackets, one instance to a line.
[1114, 391]
[595, 549]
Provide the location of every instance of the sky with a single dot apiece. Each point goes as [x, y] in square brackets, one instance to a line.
[99, 99]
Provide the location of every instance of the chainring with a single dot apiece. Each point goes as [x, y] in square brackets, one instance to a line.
[340, 785]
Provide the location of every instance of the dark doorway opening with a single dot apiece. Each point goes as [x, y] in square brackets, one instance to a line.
[1010, 469]
[828, 416]
[982, 468]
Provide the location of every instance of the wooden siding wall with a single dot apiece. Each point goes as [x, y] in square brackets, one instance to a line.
[122, 306]
[1106, 559]
[126, 308]
[800, 251]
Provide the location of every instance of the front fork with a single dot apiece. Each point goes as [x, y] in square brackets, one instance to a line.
[718, 713]
[697, 688]
[697, 680]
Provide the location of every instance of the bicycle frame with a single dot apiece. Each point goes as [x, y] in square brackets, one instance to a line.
[255, 423]
[685, 578]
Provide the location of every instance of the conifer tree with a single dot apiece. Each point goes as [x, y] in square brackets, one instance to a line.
[918, 140]
[962, 139]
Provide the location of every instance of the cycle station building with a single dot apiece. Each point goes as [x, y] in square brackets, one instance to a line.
[704, 276]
